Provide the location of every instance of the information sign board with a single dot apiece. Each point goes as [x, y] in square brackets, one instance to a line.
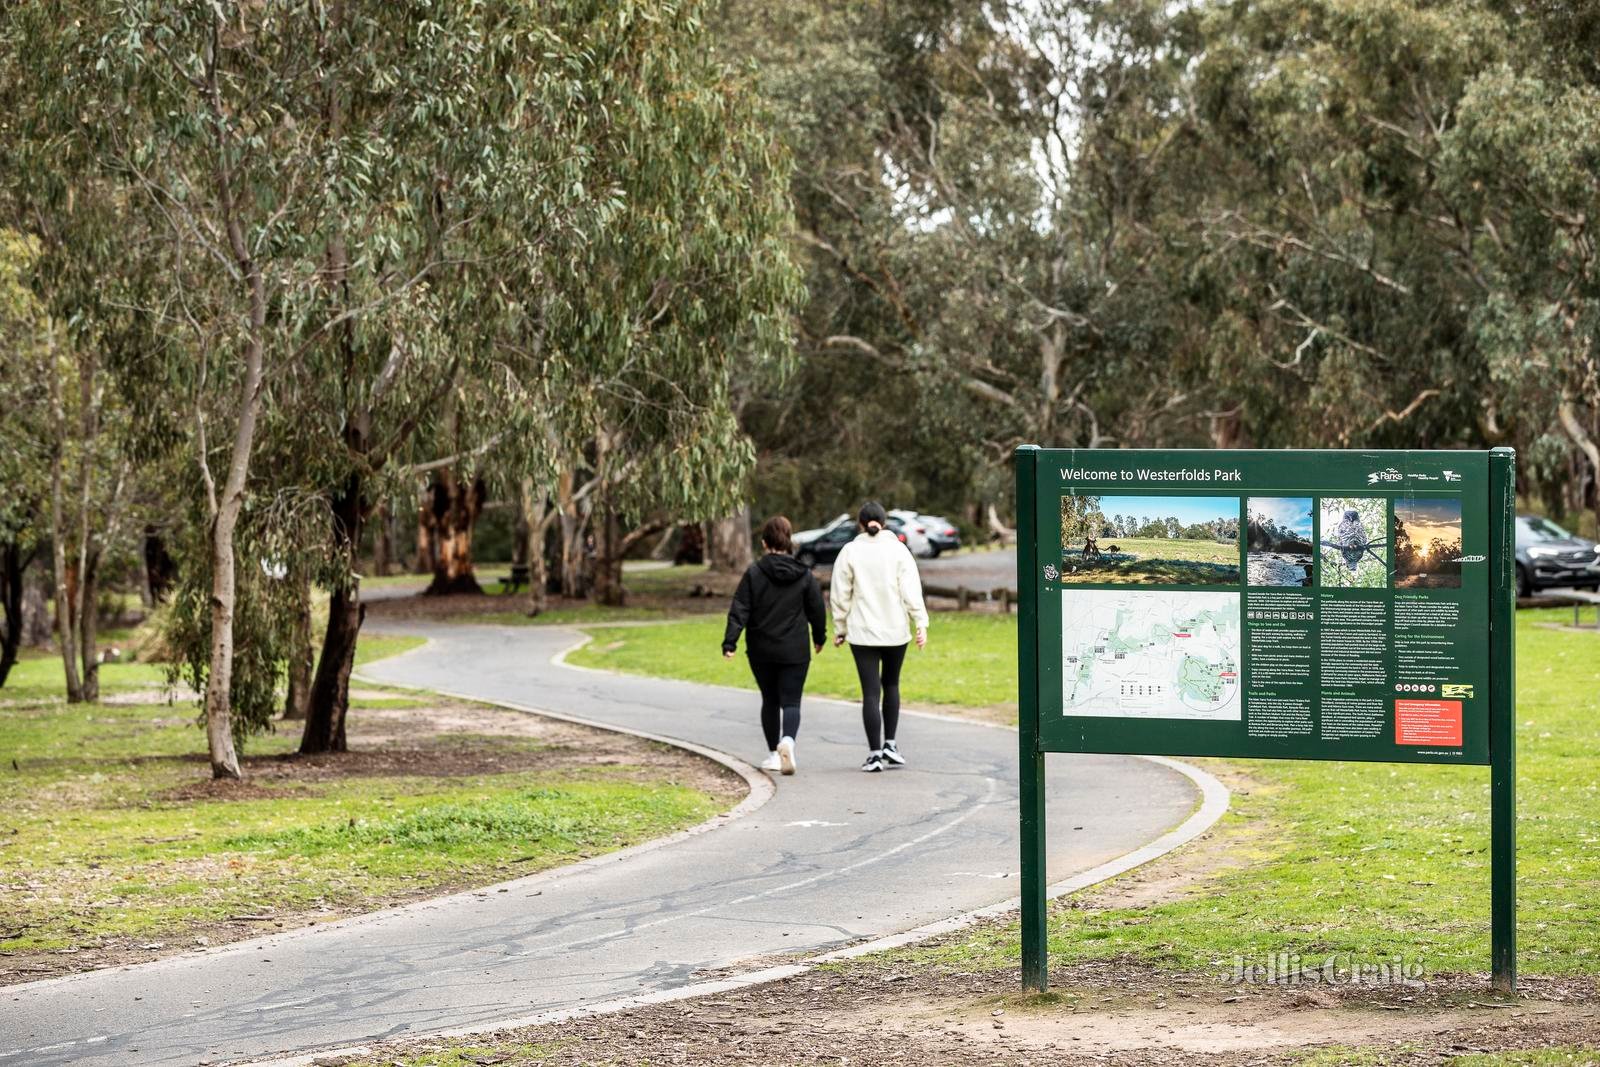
[1345, 605]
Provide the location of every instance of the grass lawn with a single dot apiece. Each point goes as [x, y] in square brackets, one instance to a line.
[114, 838]
[1142, 560]
[1379, 860]
[970, 659]
[1370, 859]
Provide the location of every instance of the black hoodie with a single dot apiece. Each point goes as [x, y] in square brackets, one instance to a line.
[775, 600]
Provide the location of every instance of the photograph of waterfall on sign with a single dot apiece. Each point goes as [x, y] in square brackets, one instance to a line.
[1278, 540]
[1355, 542]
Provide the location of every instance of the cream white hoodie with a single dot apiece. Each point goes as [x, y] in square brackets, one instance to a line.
[873, 588]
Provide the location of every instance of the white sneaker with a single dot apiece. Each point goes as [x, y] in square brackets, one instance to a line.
[786, 755]
[773, 763]
[891, 755]
[874, 764]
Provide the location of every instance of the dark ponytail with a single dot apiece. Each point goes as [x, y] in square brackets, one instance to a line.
[872, 517]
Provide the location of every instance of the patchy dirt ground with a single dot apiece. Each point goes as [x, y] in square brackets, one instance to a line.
[1117, 1013]
[437, 740]
[877, 1011]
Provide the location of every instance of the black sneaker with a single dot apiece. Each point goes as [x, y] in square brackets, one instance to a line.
[891, 755]
[874, 763]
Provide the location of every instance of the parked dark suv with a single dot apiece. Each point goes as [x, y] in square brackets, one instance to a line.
[1549, 556]
[817, 547]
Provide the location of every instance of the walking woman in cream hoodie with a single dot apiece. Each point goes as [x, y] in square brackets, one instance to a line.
[875, 589]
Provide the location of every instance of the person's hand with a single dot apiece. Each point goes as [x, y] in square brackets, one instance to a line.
[820, 647]
[727, 654]
[838, 639]
[922, 638]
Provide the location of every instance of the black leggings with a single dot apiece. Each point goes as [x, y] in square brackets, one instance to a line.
[781, 685]
[878, 667]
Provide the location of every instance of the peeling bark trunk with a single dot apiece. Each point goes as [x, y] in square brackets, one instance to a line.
[573, 585]
[730, 545]
[302, 654]
[536, 515]
[454, 512]
[1567, 412]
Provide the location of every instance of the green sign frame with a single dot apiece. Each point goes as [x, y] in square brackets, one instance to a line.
[1293, 604]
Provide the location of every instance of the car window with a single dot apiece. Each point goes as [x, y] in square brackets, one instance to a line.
[1535, 528]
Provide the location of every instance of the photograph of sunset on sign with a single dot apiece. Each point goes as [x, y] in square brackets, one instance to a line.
[1427, 543]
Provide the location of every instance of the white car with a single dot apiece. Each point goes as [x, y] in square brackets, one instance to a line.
[915, 530]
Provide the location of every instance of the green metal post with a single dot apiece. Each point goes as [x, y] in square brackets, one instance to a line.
[1035, 943]
[1502, 723]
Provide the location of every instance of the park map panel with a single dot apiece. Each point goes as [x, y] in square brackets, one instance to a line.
[1329, 605]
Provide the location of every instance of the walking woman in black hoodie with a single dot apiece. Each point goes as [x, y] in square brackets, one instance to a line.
[778, 599]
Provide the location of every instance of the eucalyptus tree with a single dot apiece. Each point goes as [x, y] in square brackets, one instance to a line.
[1400, 224]
[602, 254]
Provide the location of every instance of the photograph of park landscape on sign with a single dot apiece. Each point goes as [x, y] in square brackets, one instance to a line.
[1278, 540]
[1355, 545]
[1128, 539]
[1427, 544]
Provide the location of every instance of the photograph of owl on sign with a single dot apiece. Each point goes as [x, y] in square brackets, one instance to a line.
[1354, 543]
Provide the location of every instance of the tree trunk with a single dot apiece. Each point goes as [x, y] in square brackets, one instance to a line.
[691, 545]
[159, 568]
[535, 524]
[1228, 431]
[88, 613]
[382, 550]
[455, 509]
[302, 654]
[36, 629]
[219, 678]
[608, 558]
[330, 687]
[426, 553]
[573, 585]
[11, 567]
[1567, 413]
[65, 628]
[731, 550]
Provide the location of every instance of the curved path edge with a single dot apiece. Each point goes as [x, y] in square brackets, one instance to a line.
[1214, 799]
[760, 788]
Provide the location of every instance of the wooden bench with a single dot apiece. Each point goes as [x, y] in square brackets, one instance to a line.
[515, 580]
[1576, 597]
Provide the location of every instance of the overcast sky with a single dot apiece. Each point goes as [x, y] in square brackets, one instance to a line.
[1188, 509]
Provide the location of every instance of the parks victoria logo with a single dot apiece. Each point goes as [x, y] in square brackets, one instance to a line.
[1460, 692]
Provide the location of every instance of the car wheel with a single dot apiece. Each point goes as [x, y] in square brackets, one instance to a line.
[1524, 584]
[933, 552]
[807, 559]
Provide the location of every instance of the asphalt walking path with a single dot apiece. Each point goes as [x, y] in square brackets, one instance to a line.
[833, 856]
